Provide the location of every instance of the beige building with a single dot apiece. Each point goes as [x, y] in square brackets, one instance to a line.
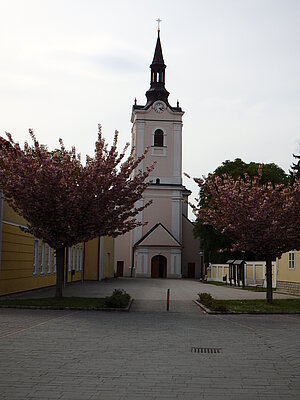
[165, 247]
[288, 276]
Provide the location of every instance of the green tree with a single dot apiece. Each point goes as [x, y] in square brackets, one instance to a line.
[217, 246]
[295, 168]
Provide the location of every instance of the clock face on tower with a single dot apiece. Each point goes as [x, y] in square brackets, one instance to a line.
[159, 107]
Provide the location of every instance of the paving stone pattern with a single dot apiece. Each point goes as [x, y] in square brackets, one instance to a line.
[146, 354]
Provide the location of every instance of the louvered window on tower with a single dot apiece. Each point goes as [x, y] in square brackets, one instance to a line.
[158, 138]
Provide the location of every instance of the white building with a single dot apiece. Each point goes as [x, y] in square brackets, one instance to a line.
[165, 247]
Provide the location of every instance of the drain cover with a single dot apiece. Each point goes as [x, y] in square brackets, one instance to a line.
[207, 350]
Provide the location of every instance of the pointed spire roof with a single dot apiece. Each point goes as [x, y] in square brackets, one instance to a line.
[158, 55]
[157, 90]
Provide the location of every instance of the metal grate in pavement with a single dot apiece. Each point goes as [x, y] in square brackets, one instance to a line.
[206, 350]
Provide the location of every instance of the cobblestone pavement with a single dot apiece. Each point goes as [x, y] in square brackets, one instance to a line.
[146, 354]
[146, 290]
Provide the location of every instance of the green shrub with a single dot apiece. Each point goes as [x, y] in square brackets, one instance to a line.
[118, 299]
[206, 299]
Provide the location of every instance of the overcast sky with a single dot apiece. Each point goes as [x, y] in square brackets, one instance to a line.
[234, 65]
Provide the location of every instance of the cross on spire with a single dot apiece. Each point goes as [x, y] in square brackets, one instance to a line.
[158, 23]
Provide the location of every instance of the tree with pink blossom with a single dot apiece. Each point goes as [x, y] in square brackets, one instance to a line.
[65, 202]
[261, 218]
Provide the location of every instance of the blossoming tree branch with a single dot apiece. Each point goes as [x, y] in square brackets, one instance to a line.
[261, 218]
[65, 202]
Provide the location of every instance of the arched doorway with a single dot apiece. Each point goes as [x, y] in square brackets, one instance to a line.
[158, 267]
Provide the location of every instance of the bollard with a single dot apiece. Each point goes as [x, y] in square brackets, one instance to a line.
[168, 299]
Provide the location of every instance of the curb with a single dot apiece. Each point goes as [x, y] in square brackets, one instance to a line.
[208, 311]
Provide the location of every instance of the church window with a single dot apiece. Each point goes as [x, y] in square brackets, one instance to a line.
[158, 138]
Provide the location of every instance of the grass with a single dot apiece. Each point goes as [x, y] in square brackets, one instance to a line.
[252, 288]
[56, 303]
[257, 306]
[251, 306]
[87, 303]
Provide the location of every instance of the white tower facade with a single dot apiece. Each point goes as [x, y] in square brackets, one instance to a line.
[156, 249]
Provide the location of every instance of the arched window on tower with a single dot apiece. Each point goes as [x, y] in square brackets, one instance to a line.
[158, 138]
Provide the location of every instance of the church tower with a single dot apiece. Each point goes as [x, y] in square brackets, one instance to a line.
[156, 249]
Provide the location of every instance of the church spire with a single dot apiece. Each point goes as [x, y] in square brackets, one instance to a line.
[157, 89]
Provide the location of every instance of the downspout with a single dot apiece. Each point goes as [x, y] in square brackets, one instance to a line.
[83, 262]
[132, 265]
[98, 260]
[66, 261]
[101, 260]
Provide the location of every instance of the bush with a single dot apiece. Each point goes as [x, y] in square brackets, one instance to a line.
[208, 301]
[118, 299]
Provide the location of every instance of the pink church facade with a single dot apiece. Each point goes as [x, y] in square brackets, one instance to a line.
[165, 247]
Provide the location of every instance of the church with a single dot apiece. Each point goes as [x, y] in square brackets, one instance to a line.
[164, 247]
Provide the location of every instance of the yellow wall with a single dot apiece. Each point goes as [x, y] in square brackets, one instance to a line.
[108, 257]
[16, 272]
[17, 258]
[284, 273]
[11, 216]
[93, 251]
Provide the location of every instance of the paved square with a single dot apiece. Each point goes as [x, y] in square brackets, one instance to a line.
[146, 354]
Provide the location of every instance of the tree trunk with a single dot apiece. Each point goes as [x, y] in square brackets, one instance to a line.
[269, 280]
[60, 258]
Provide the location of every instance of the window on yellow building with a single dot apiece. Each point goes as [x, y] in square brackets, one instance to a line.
[54, 262]
[292, 259]
[35, 256]
[81, 258]
[77, 259]
[74, 257]
[70, 258]
[43, 258]
[49, 262]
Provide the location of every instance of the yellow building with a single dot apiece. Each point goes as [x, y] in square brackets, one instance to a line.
[288, 276]
[99, 259]
[27, 263]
